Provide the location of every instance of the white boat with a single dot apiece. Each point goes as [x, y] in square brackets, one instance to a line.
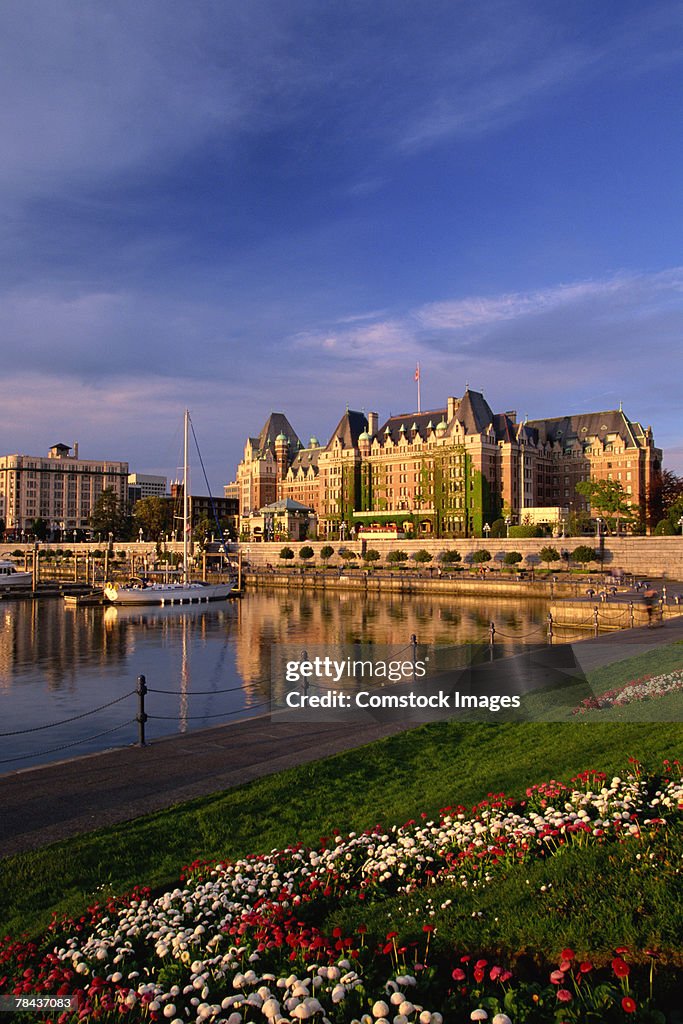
[185, 591]
[10, 576]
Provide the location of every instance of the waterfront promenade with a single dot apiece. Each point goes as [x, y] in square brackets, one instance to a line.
[42, 805]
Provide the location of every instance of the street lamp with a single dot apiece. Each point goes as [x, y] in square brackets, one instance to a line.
[508, 520]
[487, 530]
[140, 535]
[680, 523]
[598, 526]
[75, 535]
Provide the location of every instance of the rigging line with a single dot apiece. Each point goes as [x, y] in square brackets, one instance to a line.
[206, 481]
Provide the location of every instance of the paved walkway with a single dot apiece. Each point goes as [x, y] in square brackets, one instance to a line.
[42, 805]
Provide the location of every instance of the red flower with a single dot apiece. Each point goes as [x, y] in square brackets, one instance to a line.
[458, 974]
[478, 974]
[628, 1005]
[620, 967]
[564, 995]
[567, 954]
[585, 966]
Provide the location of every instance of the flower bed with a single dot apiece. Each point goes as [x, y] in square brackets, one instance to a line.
[245, 941]
[645, 688]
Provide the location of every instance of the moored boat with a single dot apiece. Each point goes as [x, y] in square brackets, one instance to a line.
[140, 591]
[10, 576]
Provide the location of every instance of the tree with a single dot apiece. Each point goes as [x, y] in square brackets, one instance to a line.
[607, 498]
[422, 556]
[371, 555]
[397, 556]
[326, 552]
[107, 514]
[672, 490]
[583, 554]
[548, 555]
[286, 553]
[306, 552]
[481, 556]
[151, 516]
[39, 528]
[512, 558]
[449, 557]
[201, 532]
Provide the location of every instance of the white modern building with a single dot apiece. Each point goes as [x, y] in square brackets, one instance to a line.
[141, 485]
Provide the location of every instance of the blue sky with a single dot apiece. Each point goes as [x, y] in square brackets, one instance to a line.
[284, 206]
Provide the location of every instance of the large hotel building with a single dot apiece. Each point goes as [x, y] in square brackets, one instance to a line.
[449, 471]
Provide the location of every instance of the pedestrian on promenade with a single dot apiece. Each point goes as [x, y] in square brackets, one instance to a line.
[650, 598]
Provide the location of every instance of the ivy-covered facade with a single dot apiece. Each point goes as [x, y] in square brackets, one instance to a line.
[451, 472]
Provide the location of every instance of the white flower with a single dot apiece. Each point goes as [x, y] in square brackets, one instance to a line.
[380, 1009]
[338, 993]
[479, 1015]
[501, 1018]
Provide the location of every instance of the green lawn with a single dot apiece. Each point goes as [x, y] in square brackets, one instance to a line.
[389, 781]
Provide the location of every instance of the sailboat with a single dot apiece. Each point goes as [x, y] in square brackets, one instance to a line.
[185, 591]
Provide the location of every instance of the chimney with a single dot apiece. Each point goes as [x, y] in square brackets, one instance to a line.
[373, 423]
[75, 449]
[453, 404]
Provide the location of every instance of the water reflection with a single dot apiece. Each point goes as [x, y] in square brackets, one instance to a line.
[213, 662]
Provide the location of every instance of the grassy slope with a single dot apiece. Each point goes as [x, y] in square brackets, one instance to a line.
[389, 781]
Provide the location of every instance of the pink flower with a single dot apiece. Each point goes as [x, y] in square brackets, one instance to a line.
[557, 977]
[564, 995]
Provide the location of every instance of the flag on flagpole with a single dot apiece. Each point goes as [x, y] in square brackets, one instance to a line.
[417, 372]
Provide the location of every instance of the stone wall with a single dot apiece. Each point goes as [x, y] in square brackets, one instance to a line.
[643, 556]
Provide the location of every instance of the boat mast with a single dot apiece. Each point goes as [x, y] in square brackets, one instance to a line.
[185, 500]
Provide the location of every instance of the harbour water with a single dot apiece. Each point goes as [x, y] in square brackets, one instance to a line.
[68, 675]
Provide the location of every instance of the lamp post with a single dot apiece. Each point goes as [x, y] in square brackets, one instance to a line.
[75, 535]
[140, 535]
[508, 520]
[680, 523]
[598, 527]
[487, 530]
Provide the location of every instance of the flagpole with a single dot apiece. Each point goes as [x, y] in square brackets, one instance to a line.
[417, 377]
